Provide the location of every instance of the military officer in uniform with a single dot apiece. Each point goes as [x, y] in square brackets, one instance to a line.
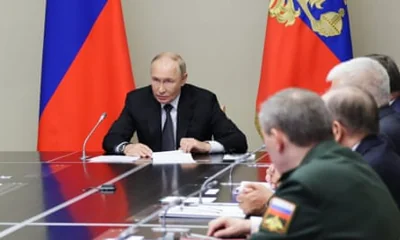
[326, 191]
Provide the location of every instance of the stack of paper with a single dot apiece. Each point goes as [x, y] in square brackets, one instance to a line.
[172, 157]
[206, 211]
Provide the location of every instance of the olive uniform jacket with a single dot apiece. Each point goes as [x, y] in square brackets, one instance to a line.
[333, 194]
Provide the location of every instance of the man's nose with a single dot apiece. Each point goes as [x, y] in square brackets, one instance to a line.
[161, 88]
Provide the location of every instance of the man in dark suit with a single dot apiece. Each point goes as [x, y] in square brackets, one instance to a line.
[356, 125]
[369, 75]
[394, 76]
[171, 114]
[326, 192]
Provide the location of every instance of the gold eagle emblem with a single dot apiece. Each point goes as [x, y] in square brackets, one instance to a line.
[329, 24]
[273, 224]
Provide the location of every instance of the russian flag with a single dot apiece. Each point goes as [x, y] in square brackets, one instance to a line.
[86, 71]
[281, 208]
[304, 40]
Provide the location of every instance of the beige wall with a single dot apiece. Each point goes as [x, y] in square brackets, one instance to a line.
[21, 37]
[375, 27]
[221, 41]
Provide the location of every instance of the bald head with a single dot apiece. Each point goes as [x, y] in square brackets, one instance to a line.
[354, 108]
[365, 73]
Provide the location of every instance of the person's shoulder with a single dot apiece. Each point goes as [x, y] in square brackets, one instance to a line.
[382, 155]
[389, 118]
[140, 93]
[340, 162]
[197, 91]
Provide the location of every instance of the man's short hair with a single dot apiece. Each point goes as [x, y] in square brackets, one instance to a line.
[391, 68]
[365, 73]
[354, 108]
[300, 114]
[175, 57]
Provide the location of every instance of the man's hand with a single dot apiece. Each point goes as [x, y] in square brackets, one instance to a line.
[272, 176]
[253, 198]
[138, 149]
[192, 145]
[228, 227]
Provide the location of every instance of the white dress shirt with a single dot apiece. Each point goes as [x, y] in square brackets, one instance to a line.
[354, 148]
[255, 223]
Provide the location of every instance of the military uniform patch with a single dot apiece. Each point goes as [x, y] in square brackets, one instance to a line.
[278, 216]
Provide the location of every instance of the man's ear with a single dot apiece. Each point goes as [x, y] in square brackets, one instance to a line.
[184, 79]
[279, 139]
[338, 131]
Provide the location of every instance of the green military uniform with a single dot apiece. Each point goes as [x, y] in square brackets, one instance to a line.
[333, 194]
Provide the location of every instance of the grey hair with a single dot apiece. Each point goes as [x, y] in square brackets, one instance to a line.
[354, 108]
[365, 73]
[301, 114]
[175, 57]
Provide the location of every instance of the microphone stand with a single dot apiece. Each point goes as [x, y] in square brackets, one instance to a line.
[163, 229]
[231, 166]
[178, 201]
[84, 157]
[230, 181]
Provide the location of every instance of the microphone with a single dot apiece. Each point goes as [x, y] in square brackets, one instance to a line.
[175, 202]
[237, 162]
[102, 117]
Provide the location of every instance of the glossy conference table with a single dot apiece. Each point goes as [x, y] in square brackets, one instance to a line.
[56, 196]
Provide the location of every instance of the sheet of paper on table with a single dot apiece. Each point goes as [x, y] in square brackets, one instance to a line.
[113, 159]
[172, 157]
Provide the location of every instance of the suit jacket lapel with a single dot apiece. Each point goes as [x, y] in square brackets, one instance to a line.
[154, 123]
[185, 114]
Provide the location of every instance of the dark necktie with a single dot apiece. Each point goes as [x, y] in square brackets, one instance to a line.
[168, 140]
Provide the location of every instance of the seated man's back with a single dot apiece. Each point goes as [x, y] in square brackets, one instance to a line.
[336, 196]
[383, 159]
[389, 124]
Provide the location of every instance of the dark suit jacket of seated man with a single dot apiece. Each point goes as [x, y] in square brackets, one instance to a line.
[379, 154]
[199, 116]
[389, 124]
